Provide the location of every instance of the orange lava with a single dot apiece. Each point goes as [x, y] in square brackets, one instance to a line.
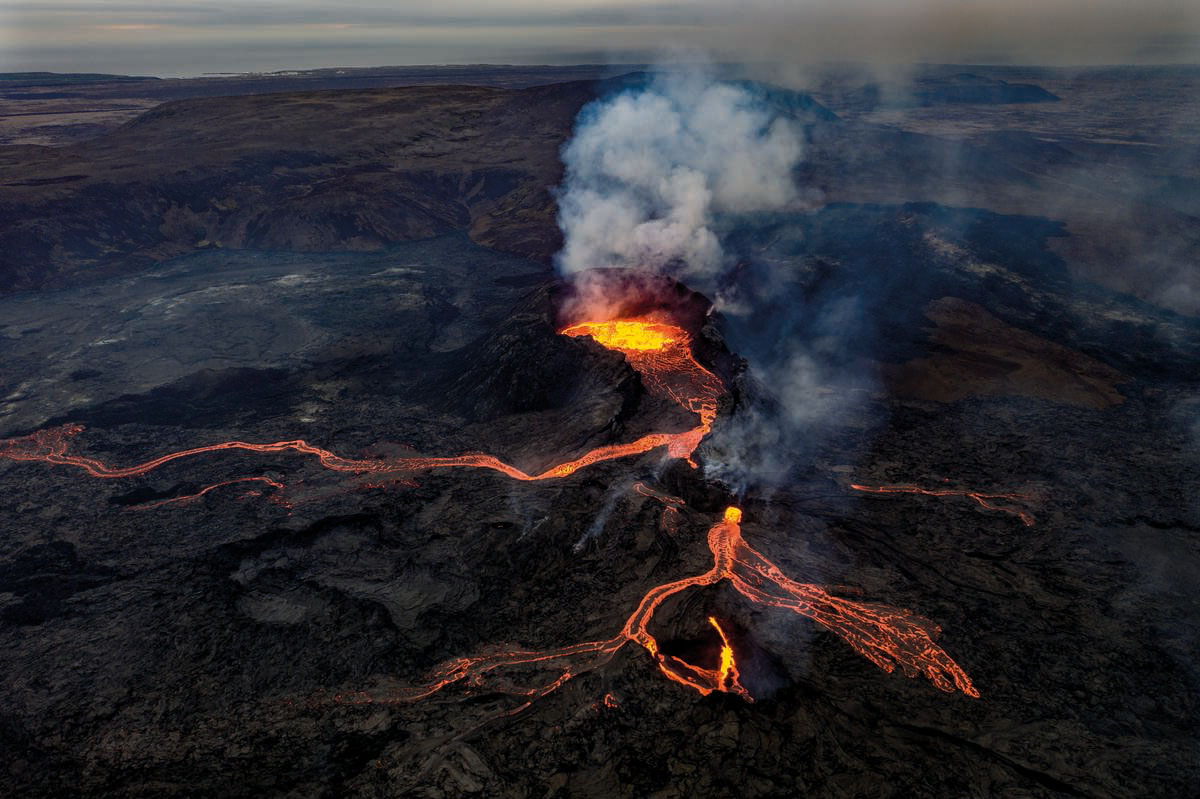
[665, 499]
[630, 335]
[660, 352]
[662, 355]
[671, 518]
[178, 500]
[984, 500]
[727, 672]
[885, 635]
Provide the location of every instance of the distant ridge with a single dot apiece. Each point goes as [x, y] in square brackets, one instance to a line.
[14, 79]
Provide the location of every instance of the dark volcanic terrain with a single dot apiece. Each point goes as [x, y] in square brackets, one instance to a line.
[47, 108]
[368, 270]
[1113, 160]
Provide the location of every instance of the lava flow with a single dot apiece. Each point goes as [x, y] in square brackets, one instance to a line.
[885, 635]
[671, 517]
[987, 501]
[660, 352]
[275, 484]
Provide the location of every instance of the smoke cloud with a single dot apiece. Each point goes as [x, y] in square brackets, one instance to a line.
[655, 174]
[649, 168]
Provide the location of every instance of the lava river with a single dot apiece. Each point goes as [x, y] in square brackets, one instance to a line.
[661, 353]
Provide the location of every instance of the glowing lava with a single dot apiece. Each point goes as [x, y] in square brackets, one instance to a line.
[659, 351]
[885, 635]
[629, 334]
[984, 500]
[661, 354]
[275, 484]
[727, 672]
[671, 518]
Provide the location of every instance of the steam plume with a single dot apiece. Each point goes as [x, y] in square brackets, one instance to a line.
[652, 174]
[649, 168]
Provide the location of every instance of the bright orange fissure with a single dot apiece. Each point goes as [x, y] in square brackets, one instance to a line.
[267, 481]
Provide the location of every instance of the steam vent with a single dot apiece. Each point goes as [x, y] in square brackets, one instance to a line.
[578, 431]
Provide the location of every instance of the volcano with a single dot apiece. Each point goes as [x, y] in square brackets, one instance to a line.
[420, 518]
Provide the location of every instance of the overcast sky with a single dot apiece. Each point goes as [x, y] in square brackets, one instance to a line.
[188, 37]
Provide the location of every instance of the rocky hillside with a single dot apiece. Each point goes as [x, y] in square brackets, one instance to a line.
[315, 171]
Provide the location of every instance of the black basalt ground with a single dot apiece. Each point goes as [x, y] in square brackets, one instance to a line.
[972, 293]
[195, 649]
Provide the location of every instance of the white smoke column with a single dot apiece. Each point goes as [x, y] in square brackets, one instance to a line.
[648, 174]
[649, 168]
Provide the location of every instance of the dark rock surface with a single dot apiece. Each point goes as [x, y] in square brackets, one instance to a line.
[345, 170]
[195, 649]
[983, 297]
[1112, 161]
[936, 90]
